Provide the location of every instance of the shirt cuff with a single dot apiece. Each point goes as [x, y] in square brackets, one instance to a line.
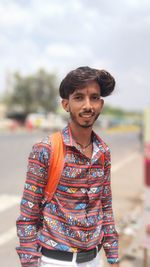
[29, 257]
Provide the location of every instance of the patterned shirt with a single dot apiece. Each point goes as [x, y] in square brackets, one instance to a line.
[80, 213]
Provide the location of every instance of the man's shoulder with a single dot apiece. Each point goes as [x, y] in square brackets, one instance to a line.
[42, 144]
[47, 141]
[41, 151]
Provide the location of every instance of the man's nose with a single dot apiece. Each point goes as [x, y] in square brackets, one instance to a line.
[87, 104]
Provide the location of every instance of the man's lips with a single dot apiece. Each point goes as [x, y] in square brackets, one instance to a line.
[87, 115]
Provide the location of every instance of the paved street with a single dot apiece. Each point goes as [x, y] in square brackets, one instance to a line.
[127, 182]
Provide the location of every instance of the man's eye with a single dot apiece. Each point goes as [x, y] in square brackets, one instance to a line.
[78, 97]
[96, 97]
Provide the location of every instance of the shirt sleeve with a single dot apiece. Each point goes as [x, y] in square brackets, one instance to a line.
[29, 221]
[110, 241]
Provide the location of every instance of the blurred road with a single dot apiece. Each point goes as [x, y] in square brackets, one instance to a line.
[127, 180]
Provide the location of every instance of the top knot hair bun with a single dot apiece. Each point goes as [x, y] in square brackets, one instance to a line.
[82, 76]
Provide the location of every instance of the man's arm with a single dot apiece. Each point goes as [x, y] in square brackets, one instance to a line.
[29, 219]
[110, 243]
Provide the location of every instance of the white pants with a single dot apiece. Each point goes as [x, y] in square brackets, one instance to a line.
[48, 262]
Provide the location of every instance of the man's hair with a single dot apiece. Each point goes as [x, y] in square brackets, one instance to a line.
[82, 76]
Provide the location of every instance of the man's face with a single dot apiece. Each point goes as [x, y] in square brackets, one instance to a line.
[84, 105]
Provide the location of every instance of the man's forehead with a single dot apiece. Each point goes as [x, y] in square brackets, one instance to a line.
[85, 90]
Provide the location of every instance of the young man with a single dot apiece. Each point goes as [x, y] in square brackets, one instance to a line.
[78, 220]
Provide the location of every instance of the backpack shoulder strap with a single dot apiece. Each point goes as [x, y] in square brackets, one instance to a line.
[55, 165]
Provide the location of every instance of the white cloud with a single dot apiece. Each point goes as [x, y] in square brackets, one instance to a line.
[65, 51]
[11, 14]
[60, 50]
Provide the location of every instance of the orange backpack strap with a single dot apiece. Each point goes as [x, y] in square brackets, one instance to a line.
[56, 164]
[102, 157]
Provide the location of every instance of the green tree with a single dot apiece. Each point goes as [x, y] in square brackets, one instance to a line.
[34, 93]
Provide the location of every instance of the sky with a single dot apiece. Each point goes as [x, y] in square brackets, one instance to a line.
[61, 35]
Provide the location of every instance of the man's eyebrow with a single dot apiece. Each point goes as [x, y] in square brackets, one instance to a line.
[95, 94]
[78, 93]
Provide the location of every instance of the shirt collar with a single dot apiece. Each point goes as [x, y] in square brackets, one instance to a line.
[69, 141]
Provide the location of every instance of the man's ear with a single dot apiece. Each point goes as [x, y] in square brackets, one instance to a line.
[65, 104]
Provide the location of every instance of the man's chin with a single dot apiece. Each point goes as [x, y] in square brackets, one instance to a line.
[86, 125]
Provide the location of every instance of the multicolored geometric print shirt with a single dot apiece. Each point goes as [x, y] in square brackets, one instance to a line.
[79, 216]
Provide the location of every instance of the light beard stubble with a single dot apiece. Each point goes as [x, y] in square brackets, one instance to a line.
[73, 118]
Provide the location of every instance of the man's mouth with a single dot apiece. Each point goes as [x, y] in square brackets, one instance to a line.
[87, 115]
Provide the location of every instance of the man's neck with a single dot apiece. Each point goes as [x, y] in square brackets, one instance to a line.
[80, 134]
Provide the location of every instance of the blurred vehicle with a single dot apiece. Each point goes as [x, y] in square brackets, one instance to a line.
[53, 122]
[50, 121]
[34, 120]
